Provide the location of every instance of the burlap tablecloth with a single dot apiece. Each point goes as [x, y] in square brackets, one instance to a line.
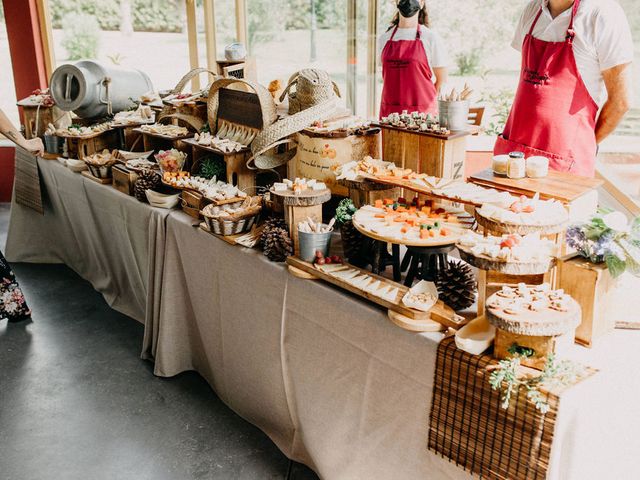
[323, 373]
[107, 237]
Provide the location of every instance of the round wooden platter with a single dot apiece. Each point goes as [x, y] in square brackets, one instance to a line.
[414, 325]
[305, 199]
[432, 242]
[521, 229]
[543, 323]
[509, 268]
[365, 185]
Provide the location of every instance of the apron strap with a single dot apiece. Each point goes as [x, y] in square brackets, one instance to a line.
[394, 33]
[535, 22]
[418, 32]
[571, 33]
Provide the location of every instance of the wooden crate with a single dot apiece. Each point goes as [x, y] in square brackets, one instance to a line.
[438, 155]
[123, 179]
[542, 346]
[599, 296]
[36, 121]
[81, 147]
[237, 172]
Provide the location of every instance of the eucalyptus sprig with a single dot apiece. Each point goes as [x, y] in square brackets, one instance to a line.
[507, 378]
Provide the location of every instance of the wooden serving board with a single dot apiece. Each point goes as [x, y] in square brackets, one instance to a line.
[561, 186]
[521, 229]
[509, 268]
[103, 181]
[163, 137]
[307, 199]
[191, 141]
[440, 312]
[432, 242]
[450, 136]
[83, 137]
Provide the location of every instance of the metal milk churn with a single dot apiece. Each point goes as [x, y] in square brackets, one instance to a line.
[92, 90]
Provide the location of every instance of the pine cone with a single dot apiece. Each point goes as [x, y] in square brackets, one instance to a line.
[147, 180]
[270, 223]
[351, 240]
[456, 285]
[278, 245]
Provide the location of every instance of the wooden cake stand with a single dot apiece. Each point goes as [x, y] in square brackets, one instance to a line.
[546, 331]
[493, 226]
[299, 207]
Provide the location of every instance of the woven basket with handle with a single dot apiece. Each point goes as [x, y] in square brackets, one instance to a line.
[169, 112]
[313, 96]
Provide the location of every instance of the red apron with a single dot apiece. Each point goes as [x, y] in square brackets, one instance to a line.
[553, 114]
[407, 78]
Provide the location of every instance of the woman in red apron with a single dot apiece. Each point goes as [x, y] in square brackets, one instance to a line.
[553, 114]
[407, 75]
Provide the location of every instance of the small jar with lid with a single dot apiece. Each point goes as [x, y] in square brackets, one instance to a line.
[537, 167]
[516, 167]
[499, 165]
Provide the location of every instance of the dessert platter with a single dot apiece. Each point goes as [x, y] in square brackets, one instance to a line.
[412, 225]
[224, 145]
[533, 310]
[416, 122]
[301, 192]
[214, 190]
[172, 132]
[511, 254]
[524, 216]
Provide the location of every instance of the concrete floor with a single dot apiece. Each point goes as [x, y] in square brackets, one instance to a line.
[77, 403]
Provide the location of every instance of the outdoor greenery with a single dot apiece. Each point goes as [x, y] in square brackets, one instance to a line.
[147, 15]
[81, 36]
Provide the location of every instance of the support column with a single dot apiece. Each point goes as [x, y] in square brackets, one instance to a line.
[352, 55]
[372, 59]
[210, 35]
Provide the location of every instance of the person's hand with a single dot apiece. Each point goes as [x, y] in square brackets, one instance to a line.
[35, 146]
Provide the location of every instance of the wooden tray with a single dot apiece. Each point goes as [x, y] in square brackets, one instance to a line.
[163, 137]
[502, 227]
[565, 187]
[450, 136]
[439, 313]
[83, 137]
[509, 268]
[191, 141]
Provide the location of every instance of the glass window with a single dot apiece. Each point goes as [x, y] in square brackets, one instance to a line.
[150, 36]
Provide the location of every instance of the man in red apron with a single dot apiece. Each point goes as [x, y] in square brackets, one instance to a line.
[554, 113]
[406, 72]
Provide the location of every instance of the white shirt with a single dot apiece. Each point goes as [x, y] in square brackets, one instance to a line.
[603, 37]
[434, 46]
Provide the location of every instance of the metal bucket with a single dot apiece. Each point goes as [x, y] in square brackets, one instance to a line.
[310, 243]
[88, 88]
[53, 144]
[454, 115]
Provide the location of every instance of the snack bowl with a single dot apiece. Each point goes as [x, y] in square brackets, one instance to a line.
[100, 171]
[162, 200]
[76, 165]
[425, 290]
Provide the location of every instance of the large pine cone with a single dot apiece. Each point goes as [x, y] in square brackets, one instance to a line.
[147, 180]
[457, 285]
[277, 244]
[270, 223]
[351, 241]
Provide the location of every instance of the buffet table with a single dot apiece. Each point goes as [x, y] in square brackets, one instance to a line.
[326, 375]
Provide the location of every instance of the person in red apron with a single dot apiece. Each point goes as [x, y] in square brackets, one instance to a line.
[553, 113]
[406, 71]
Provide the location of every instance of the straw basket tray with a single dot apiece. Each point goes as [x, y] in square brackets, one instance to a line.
[232, 224]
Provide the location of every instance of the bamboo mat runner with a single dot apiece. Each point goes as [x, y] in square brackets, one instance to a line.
[468, 426]
[27, 181]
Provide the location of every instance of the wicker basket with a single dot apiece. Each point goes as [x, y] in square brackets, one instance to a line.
[232, 224]
[101, 171]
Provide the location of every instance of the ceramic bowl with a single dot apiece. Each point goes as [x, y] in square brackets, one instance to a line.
[162, 200]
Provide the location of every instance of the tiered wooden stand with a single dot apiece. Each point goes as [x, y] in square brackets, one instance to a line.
[237, 172]
[366, 192]
[156, 142]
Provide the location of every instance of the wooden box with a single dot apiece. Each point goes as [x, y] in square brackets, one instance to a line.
[123, 179]
[193, 199]
[602, 300]
[36, 121]
[438, 155]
